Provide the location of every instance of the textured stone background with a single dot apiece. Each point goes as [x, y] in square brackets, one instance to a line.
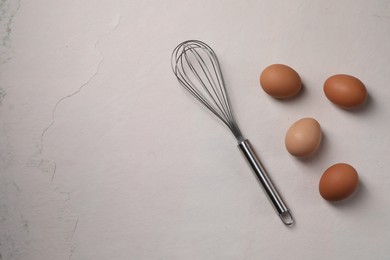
[104, 156]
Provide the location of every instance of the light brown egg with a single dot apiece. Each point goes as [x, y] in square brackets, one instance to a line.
[338, 182]
[280, 81]
[345, 91]
[303, 137]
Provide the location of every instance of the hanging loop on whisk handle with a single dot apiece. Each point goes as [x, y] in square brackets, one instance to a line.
[270, 190]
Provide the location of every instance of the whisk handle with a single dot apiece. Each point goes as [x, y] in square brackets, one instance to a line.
[266, 183]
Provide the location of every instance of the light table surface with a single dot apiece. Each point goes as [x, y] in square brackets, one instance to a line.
[105, 156]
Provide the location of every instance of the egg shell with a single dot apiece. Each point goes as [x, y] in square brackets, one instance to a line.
[303, 137]
[280, 81]
[345, 91]
[338, 182]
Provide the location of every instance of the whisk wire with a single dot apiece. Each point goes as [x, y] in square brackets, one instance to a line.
[210, 80]
[187, 83]
[219, 78]
[190, 62]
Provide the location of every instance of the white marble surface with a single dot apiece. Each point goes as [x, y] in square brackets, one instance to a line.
[104, 156]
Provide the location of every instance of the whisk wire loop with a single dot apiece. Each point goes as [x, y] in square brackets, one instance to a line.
[197, 68]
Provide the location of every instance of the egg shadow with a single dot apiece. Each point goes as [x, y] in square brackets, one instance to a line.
[296, 98]
[319, 154]
[367, 107]
[354, 200]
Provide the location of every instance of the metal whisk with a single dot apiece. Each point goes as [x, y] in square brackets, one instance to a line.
[197, 68]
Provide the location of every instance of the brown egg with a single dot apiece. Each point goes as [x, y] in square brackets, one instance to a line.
[345, 91]
[338, 182]
[303, 137]
[280, 81]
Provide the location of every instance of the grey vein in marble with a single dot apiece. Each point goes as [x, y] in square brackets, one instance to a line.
[3, 93]
[41, 148]
[81, 86]
[8, 10]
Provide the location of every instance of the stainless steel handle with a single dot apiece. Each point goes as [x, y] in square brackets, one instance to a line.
[270, 190]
